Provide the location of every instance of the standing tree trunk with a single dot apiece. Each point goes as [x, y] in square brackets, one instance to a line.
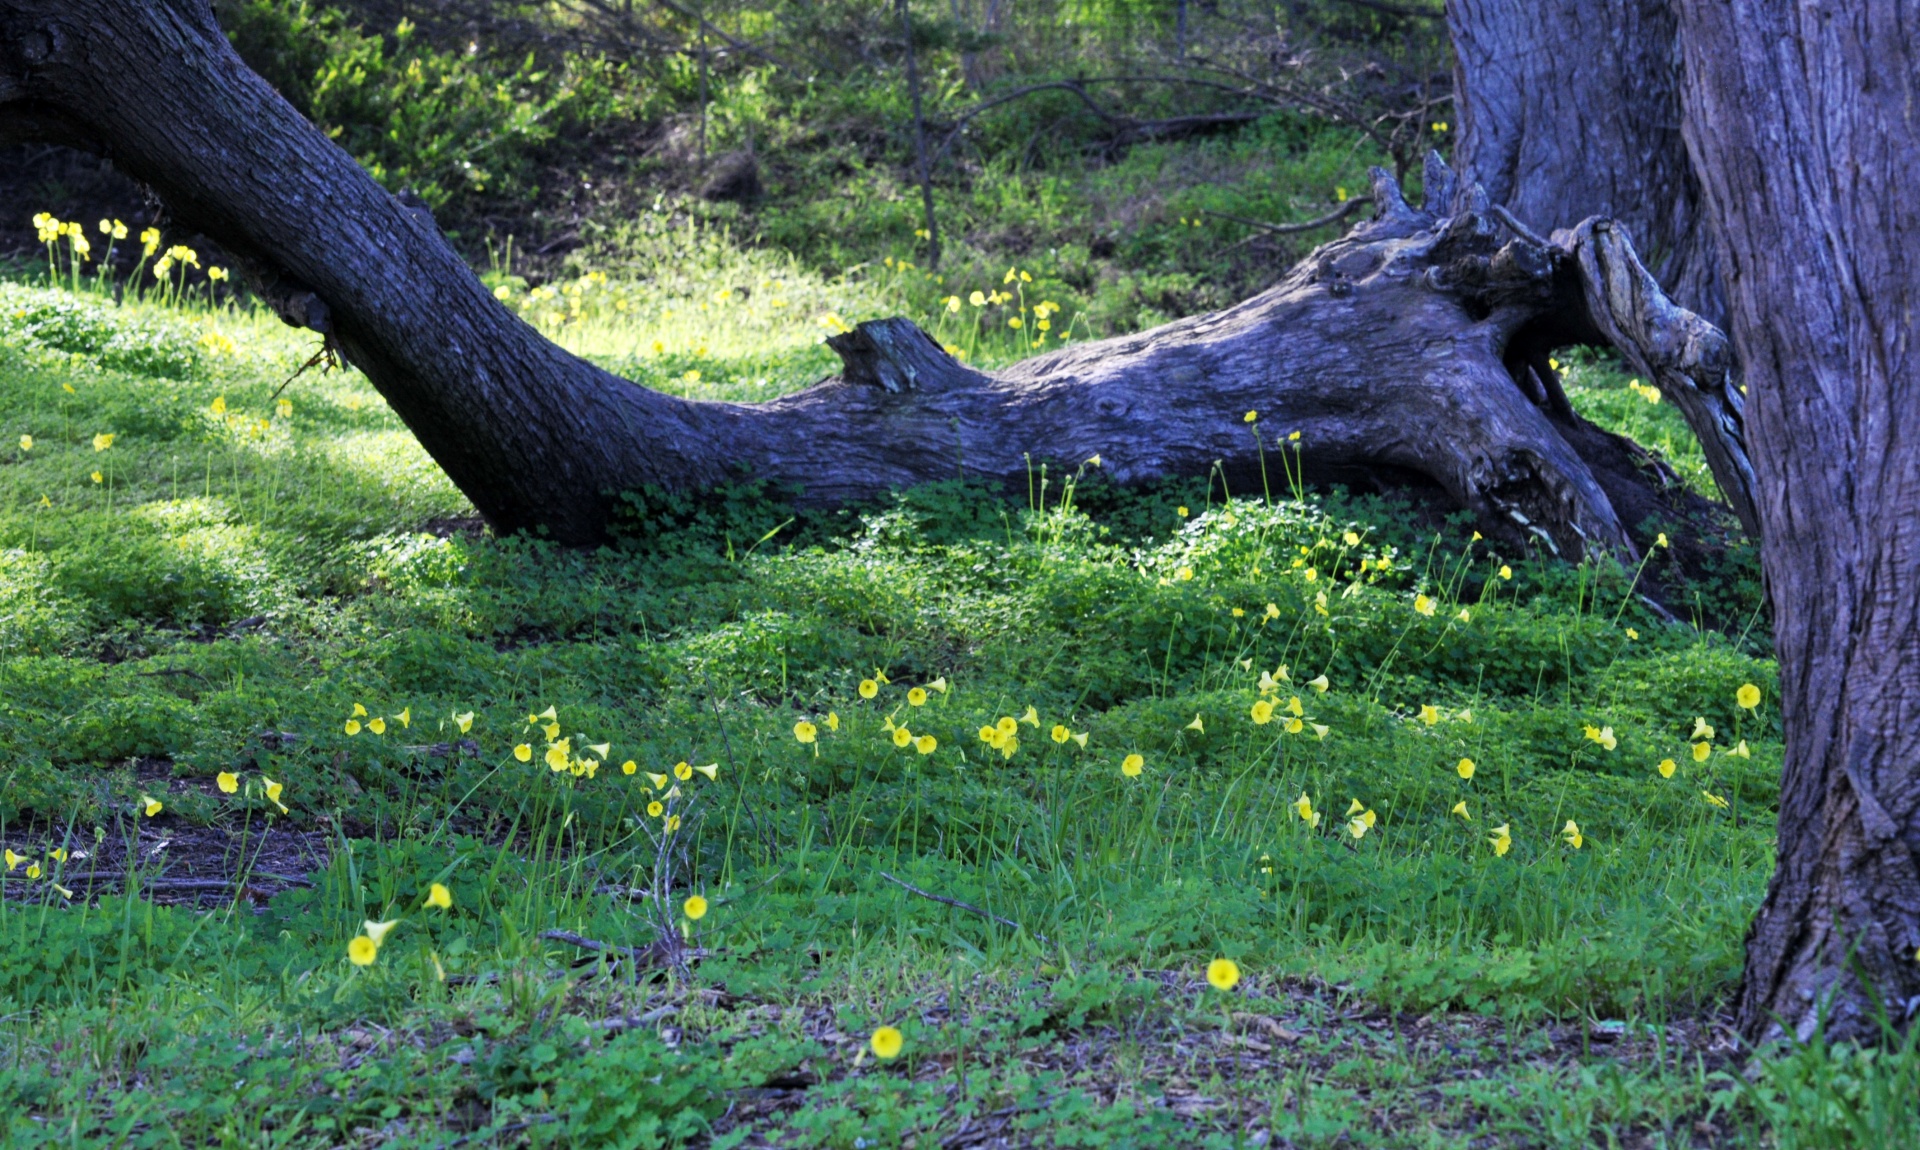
[1801, 119]
[1415, 347]
[1571, 108]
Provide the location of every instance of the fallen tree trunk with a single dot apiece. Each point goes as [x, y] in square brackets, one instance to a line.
[1416, 345]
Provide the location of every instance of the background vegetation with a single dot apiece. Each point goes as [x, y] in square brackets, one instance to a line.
[209, 578]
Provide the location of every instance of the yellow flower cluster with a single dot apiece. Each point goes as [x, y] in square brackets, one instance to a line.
[377, 724]
[229, 783]
[53, 857]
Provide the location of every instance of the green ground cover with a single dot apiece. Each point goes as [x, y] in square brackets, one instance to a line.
[290, 598]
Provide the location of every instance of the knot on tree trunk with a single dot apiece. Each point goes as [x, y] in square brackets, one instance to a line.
[894, 355]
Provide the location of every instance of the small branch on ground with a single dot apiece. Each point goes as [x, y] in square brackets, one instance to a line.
[958, 905]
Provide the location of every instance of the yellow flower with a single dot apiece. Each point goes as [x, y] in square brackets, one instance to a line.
[1249, 417]
[1319, 683]
[805, 731]
[377, 931]
[551, 731]
[1740, 750]
[1294, 708]
[1262, 712]
[1132, 765]
[711, 770]
[1702, 730]
[659, 781]
[1502, 840]
[869, 688]
[558, 754]
[902, 736]
[989, 735]
[1007, 725]
[654, 809]
[523, 752]
[150, 805]
[1294, 726]
[672, 824]
[1081, 738]
[273, 792]
[1358, 827]
[1714, 800]
[283, 408]
[1506, 572]
[1422, 605]
[695, 907]
[58, 854]
[26, 443]
[1465, 616]
[406, 719]
[926, 744]
[1662, 540]
[1303, 806]
[886, 1041]
[1060, 733]
[464, 722]
[1666, 768]
[916, 697]
[1007, 746]
[549, 715]
[227, 781]
[103, 441]
[362, 951]
[1606, 738]
[1272, 611]
[1460, 808]
[438, 895]
[98, 478]
[1196, 725]
[1571, 832]
[219, 405]
[1701, 751]
[352, 727]
[1464, 768]
[377, 725]
[939, 685]
[1320, 729]
[14, 860]
[1223, 973]
[1747, 696]
[1633, 634]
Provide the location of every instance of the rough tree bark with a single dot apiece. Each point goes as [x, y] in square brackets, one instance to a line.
[1571, 108]
[1801, 121]
[1415, 346]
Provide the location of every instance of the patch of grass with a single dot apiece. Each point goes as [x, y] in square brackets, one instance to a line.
[943, 691]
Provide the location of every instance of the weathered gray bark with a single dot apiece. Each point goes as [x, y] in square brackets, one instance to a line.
[1571, 108]
[1801, 118]
[1416, 345]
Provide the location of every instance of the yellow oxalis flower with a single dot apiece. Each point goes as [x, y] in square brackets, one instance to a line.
[682, 771]
[805, 731]
[1319, 683]
[711, 770]
[1081, 738]
[1320, 730]
[902, 736]
[833, 720]
[1262, 712]
[629, 767]
[1464, 768]
[1422, 605]
[1197, 725]
[1747, 696]
[1294, 726]
[916, 697]
[655, 809]
[1132, 765]
[939, 685]
[227, 781]
[1357, 827]
[439, 896]
[1303, 806]
[352, 727]
[1460, 808]
[377, 931]
[558, 754]
[362, 951]
[1502, 840]
[1714, 800]
[98, 478]
[1571, 832]
[1740, 750]
[1506, 572]
[886, 1041]
[273, 792]
[33, 870]
[1223, 974]
[26, 443]
[1031, 718]
[14, 860]
[523, 752]
[1007, 725]
[1667, 767]
[695, 907]
[1295, 709]
[659, 781]
[377, 725]
[359, 712]
[1701, 751]
[1429, 714]
[464, 721]
[926, 744]
[103, 441]
[1060, 733]
[1702, 730]
[150, 805]
[989, 735]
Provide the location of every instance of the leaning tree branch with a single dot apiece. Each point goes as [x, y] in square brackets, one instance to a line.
[1405, 350]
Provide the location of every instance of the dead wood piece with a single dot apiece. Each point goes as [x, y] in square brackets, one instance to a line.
[958, 905]
[653, 955]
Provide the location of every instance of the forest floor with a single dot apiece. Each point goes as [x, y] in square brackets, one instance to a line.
[1073, 816]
